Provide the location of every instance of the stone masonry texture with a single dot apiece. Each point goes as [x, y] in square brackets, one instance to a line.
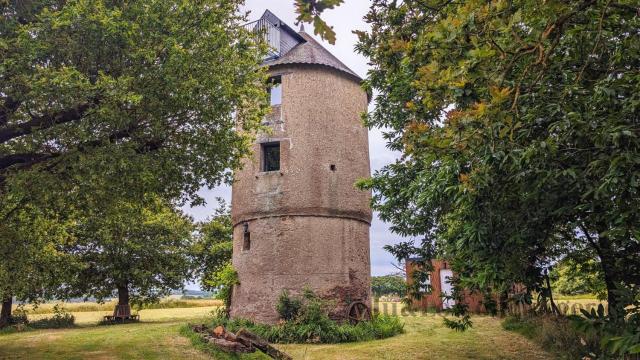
[309, 225]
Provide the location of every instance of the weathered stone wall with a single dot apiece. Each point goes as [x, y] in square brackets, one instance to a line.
[309, 225]
[330, 255]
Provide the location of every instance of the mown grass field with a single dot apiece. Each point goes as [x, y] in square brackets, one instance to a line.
[157, 336]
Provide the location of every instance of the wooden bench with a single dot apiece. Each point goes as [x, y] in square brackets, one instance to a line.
[122, 313]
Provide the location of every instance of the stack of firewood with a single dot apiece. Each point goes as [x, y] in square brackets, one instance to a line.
[243, 341]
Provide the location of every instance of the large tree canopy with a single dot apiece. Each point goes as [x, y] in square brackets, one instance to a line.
[519, 126]
[157, 84]
[103, 100]
[139, 248]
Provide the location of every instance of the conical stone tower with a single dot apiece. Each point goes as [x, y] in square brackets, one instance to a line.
[298, 219]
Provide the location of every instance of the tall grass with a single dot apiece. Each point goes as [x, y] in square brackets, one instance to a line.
[554, 334]
[48, 308]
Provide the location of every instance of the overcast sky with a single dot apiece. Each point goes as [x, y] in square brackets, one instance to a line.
[344, 19]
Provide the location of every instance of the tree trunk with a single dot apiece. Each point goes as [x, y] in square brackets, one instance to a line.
[607, 257]
[503, 304]
[554, 308]
[5, 313]
[123, 295]
[607, 261]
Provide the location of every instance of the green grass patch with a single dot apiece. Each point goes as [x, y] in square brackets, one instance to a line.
[525, 328]
[158, 336]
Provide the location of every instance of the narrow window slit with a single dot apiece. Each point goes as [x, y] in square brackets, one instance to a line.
[246, 237]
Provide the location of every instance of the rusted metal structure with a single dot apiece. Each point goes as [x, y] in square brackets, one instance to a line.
[298, 219]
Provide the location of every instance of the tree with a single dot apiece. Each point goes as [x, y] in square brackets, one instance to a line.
[388, 285]
[33, 258]
[147, 94]
[214, 246]
[34, 233]
[139, 249]
[85, 78]
[519, 129]
[212, 253]
[571, 277]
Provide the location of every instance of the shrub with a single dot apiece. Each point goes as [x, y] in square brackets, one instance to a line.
[288, 308]
[19, 317]
[60, 319]
[619, 336]
[306, 320]
[224, 280]
[325, 331]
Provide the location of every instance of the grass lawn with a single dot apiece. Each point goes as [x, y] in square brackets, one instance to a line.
[157, 337]
[427, 338]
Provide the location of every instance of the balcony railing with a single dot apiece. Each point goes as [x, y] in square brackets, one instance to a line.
[269, 33]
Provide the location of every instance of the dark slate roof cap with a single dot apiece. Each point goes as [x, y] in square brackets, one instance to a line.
[311, 52]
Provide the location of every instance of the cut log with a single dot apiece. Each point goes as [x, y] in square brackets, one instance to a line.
[230, 336]
[248, 338]
[243, 342]
[231, 346]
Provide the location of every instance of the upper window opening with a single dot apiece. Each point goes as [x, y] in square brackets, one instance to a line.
[271, 156]
[275, 90]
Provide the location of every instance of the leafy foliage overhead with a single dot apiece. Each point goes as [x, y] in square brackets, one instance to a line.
[519, 128]
[92, 87]
[309, 11]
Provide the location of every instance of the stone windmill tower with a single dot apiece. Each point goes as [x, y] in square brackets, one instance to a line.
[298, 219]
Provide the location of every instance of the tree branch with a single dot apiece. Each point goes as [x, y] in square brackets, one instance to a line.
[9, 107]
[26, 159]
[29, 159]
[590, 240]
[43, 122]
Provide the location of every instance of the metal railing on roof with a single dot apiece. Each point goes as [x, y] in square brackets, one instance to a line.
[270, 34]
